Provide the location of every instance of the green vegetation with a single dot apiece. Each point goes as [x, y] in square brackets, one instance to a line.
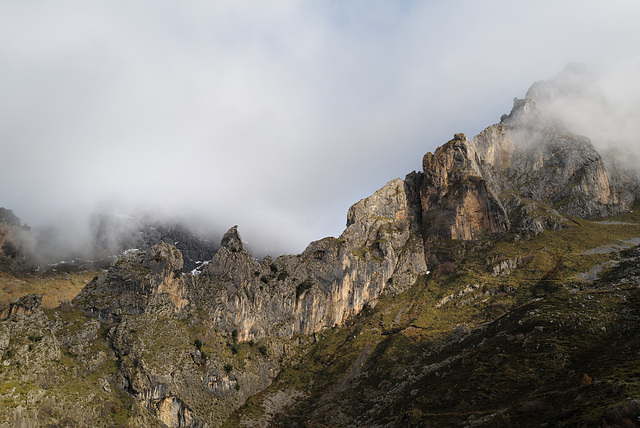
[304, 286]
[503, 332]
[54, 286]
[530, 346]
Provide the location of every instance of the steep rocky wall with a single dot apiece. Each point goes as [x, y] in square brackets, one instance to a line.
[153, 309]
[457, 201]
[140, 281]
[524, 174]
[331, 280]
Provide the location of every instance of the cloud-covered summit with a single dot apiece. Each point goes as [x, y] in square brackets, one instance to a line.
[274, 116]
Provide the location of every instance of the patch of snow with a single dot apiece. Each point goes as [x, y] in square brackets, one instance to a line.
[198, 270]
[129, 251]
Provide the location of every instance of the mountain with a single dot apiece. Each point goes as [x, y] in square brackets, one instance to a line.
[485, 290]
[11, 239]
[106, 237]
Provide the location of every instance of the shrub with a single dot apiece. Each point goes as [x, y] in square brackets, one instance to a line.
[198, 344]
[445, 268]
[35, 338]
[228, 368]
[263, 350]
[304, 286]
[283, 275]
[624, 414]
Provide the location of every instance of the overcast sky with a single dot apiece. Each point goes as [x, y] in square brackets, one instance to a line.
[272, 115]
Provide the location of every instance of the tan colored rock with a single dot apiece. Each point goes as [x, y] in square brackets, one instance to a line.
[457, 201]
[331, 280]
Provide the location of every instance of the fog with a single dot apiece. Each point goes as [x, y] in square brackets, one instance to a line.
[275, 116]
[602, 104]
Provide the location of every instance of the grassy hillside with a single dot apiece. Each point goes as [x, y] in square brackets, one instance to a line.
[54, 286]
[476, 344]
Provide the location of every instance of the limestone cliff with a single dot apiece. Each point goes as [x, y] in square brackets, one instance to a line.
[457, 200]
[331, 280]
[137, 281]
[525, 174]
[153, 310]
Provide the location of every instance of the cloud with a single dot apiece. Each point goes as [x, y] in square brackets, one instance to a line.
[275, 116]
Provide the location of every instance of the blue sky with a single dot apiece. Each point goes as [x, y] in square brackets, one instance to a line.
[275, 116]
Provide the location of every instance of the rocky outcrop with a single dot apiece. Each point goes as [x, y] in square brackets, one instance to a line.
[153, 309]
[137, 282]
[458, 202]
[114, 234]
[25, 335]
[331, 280]
[25, 306]
[561, 170]
[526, 173]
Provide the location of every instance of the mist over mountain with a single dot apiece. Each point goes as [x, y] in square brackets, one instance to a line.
[278, 117]
[69, 245]
[496, 286]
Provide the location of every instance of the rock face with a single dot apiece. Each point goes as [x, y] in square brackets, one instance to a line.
[524, 174]
[25, 306]
[150, 303]
[331, 280]
[25, 335]
[457, 201]
[138, 281]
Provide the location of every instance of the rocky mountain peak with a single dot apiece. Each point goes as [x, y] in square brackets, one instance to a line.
[538, 110]
[9, 218]
[525, 173]
[458, 202]
[389, 202]
[232, 240]
[163, 257]
[138, 281]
